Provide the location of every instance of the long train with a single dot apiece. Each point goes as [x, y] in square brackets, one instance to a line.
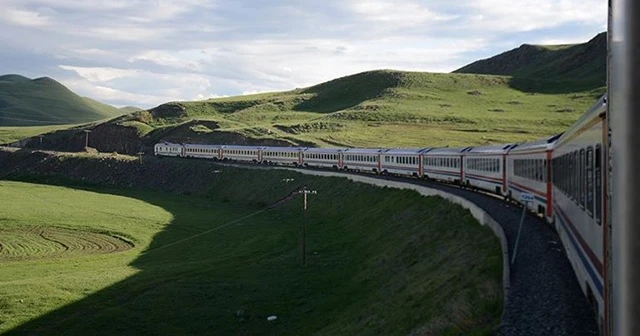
[563, 177]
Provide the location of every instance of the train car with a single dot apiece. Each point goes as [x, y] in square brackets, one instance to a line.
[443, 164]
[322, 157]
[529, 171]
[484, 168]
[241, 153]
[579, 188]
[403, 161]
[201, 151]
[167, 149]
[361, 159]
[282, 155]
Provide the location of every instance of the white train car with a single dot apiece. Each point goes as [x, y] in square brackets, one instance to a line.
[167, 149]
[529, 171]
[322, 157]
[403, 161]
[444, 164]
[282, 155]
[241, 153]
[361, 159]
[579, 202]
[484, 168]
[201, 151]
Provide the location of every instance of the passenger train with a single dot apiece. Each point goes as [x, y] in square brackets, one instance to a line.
[564, 174]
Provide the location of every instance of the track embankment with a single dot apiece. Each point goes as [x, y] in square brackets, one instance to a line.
[542, 294]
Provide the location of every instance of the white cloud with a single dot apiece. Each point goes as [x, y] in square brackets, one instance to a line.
[100, 74]
[23, 17]
[159, 50]
[527, 15]
[404, 13]
[109, 94]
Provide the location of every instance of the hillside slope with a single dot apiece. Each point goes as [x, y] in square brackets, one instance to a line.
[370, 109]
[520, 95]
[581, 66]
[44, 101]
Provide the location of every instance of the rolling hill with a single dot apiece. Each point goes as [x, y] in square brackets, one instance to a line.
[572, 66]
[130, 109]
[377, 108]
[44, 101]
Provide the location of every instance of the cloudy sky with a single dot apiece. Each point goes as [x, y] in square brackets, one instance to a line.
[146, 52]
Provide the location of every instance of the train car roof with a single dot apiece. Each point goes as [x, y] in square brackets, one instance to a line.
[240, 147]
[201, 146]
[283, 149]
[167, 143]
[445, 150]
[323, 150]
[541, 144]
[363, 150]
[406, 151]
[594, 111]
[493, 149]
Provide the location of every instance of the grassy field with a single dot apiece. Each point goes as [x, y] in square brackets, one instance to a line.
[9, 134]
[377, 108]
[380, 261]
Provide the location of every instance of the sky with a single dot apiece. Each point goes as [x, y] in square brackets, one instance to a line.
[148, 52]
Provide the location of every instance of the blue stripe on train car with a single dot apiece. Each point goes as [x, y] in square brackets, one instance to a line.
[518, 189]
[483, 180]
[578, 248]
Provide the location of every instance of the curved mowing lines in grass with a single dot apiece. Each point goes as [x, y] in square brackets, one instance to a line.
[28, 243]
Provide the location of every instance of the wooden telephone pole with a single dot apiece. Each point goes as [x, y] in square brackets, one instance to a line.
[86, 138]
[304, 191]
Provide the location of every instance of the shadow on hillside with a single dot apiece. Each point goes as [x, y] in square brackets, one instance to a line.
[180, 288]
[533, 86]
[347, 92]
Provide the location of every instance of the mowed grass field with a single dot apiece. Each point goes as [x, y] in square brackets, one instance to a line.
[101, 261]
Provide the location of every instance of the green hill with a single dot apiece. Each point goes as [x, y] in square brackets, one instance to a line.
[370, 109]
[529, 93]
[383, 107]
[129, 109]
[44, 101]
[568, 67]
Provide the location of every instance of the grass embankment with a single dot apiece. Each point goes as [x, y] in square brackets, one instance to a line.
[11, 134]
[380, 261]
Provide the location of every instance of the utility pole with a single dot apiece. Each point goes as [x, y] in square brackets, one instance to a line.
[140, 156]
[40, 136]
[86, 141]
[304, 191]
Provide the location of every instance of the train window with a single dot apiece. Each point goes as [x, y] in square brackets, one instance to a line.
[598, 183]
[589, 180]
[582, 178]
[576, 172]
[569, 175]
[563, 180]
[565, 170]
[540, 171]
